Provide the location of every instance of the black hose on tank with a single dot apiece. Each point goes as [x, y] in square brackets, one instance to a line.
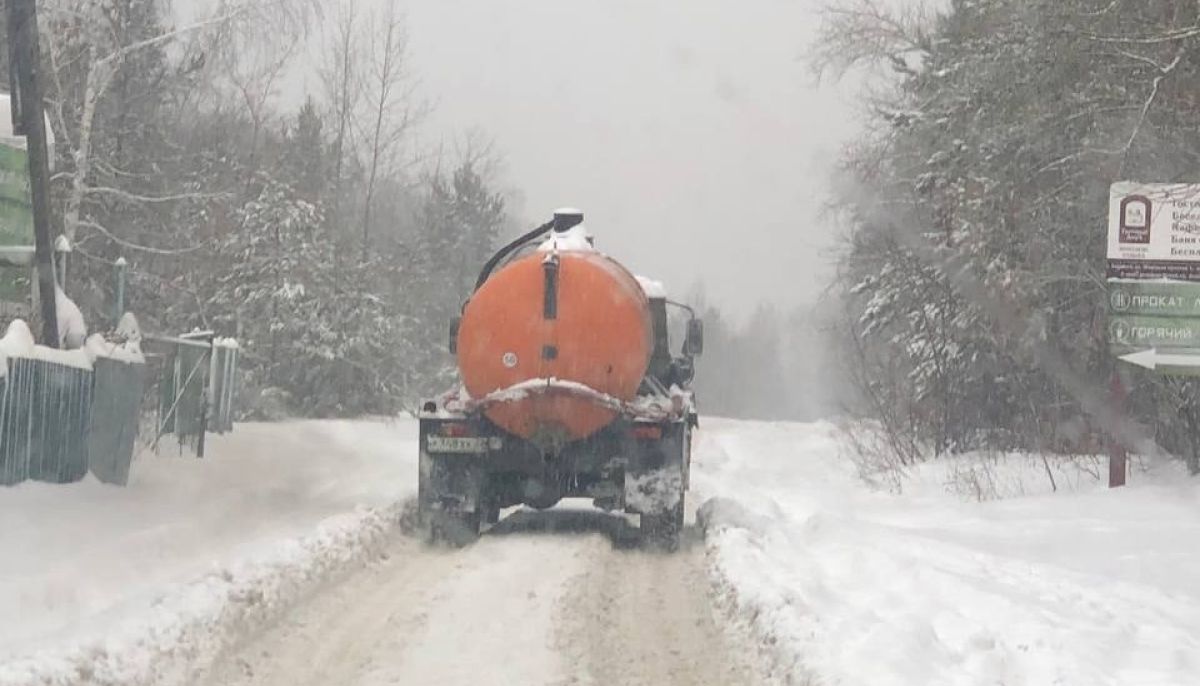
[509, 249]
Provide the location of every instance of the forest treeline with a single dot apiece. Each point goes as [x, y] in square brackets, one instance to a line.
[972, 282]
[322, 234]
[322, 237]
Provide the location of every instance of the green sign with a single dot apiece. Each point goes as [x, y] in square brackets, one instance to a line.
[16, 217]
[16, 225]
[1167, 299]
[1171, 361]
[1135, 332]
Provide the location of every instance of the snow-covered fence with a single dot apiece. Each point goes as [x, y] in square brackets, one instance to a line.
[63, 412]
[196, 387]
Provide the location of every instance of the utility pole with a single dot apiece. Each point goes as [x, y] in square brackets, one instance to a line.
[29, 119]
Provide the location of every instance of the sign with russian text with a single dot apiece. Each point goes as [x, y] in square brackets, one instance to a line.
[1162, 298]
[1154, 231]
[1135, 332]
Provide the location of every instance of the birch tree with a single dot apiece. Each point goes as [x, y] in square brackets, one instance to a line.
[102, 54]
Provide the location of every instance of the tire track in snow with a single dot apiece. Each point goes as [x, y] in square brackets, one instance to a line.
[643, 619]
[543, 599]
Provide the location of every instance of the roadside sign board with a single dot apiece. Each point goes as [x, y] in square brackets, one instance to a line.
[1154, 275]
[1154, 231]
[1161, 298]
[1138, 332]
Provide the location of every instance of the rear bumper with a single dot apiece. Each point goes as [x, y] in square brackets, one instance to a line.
[468, 463]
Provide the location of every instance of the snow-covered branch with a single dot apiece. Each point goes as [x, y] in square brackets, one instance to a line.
[152, 199]
[83, 223]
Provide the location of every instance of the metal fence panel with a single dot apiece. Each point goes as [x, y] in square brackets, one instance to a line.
[115, 409]
[183, 394]
[222, 388]
[43, 421]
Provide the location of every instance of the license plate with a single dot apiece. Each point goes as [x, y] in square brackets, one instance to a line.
[461, 444]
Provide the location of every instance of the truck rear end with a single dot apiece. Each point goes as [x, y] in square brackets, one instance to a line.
[573, 395]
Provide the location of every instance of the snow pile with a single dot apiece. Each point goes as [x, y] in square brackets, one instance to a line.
[191, 624]
[72, 330]
[850, 586]
[147, 584]
[18, 341]
[996, 476]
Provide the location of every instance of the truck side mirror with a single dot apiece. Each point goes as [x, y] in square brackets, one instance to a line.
[693, 345]
[454, 323]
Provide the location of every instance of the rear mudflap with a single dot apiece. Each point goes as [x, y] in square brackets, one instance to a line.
[452, 484]
[656, 476]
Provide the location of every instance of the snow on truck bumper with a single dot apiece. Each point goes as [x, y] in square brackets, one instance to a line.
[657, 490]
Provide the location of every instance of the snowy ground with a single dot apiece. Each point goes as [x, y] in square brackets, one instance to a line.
[138, 584]
[852, 586]
[276, 561]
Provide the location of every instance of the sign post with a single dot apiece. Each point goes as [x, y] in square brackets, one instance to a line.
[1153, 288]
[28, 113]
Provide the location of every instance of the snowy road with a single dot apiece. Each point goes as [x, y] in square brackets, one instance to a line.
[544, 598]
[279, 561]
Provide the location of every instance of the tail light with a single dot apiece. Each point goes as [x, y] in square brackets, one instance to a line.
[647, 432]
[456, 429]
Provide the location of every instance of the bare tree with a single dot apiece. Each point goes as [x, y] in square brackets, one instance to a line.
[392, 108]
[341, 77]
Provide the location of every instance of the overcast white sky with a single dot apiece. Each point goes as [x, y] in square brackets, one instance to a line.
[689, 131]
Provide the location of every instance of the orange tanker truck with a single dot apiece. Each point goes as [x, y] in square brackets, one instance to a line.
[569, 390]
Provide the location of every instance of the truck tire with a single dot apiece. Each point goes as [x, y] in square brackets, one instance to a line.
[661, 531]
[455, 529]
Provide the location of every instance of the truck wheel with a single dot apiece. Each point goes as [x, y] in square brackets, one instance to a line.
[662, 530]
[456, 529]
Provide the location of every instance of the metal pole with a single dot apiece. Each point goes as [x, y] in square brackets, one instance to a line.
[1118, 454]
[23, 34]
[120, 268]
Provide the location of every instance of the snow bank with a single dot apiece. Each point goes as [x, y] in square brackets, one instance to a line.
[850, 586]
[146, 584]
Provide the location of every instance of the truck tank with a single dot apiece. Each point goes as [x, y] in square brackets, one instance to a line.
[564, 312]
